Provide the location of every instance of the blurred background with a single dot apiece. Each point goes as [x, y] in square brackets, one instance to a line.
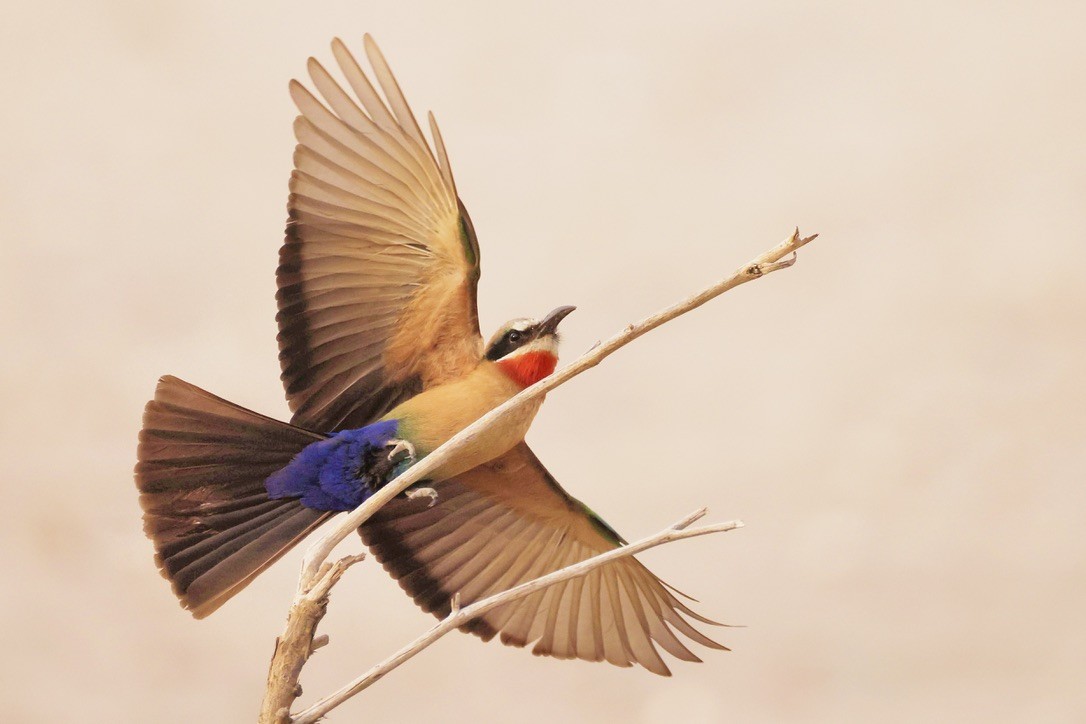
[899, 419]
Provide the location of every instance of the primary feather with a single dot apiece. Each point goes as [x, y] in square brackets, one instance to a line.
[378, 271]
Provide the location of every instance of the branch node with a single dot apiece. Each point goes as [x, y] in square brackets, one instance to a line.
[688, 520]
[328, 575]
[318, 642]
[774, 266]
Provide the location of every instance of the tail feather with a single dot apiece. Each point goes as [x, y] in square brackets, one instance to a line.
[201, 471]
[215, 578]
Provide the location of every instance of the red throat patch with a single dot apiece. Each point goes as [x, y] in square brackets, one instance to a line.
[528, 368]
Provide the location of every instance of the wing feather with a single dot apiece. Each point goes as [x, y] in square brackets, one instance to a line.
[660, 632]
[507, 522]
[618, 629]
[317, 189]
[554, 613]
[393, 94]
[470, 569]
[641, 643]
[595, 596]
[442, 155]
[615, 651]
[332, 148]
[581, 637]
[529, 550]
[366, 132]
[488, 573]
[362, 87]
[518, 632]
[377, 276]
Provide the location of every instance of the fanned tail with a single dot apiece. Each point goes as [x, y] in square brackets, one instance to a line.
[201, 471]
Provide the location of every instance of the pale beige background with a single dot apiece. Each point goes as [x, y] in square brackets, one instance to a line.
[899, 419]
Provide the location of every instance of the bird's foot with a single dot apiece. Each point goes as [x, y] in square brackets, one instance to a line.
[422, 493]
[401, 449]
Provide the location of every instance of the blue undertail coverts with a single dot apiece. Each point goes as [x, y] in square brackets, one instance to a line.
[333, 474]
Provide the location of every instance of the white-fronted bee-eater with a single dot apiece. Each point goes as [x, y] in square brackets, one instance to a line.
[383, 361]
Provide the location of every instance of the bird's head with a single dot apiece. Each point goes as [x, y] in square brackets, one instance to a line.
[527, 349]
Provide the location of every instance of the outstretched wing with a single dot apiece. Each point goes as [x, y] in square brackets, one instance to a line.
[507, 522]
[377, 276]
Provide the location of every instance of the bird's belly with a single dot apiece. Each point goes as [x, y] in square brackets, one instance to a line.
[489, 444]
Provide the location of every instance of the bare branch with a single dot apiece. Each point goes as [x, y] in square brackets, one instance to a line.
[461, 616]
[297, 643]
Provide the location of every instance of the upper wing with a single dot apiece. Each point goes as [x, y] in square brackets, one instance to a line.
[377, 276]
[507, 522]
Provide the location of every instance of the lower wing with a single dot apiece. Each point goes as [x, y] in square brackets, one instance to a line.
[508, 522]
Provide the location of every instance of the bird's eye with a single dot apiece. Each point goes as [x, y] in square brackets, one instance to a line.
[514, 336]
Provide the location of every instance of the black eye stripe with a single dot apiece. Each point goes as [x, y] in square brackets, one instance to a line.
[508, 342]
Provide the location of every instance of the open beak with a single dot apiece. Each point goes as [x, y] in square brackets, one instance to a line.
[549, 324]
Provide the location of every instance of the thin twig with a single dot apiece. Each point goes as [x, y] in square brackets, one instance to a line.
[303, 617]
[458, 618]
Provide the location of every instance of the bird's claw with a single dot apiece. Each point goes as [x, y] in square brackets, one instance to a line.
[399, 447]
[423, 493]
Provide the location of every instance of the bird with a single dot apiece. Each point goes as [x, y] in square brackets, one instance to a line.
[382, 360]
